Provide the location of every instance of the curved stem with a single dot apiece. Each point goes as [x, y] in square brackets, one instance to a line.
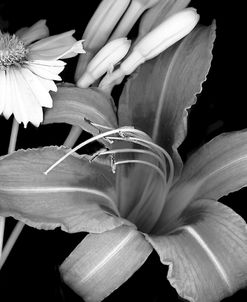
[12, 145]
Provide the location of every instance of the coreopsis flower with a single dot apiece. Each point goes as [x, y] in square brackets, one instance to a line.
[29, 65]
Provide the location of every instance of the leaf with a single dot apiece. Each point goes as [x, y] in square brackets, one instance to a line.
[157, 97]
[76, 195]
[206, 254]
[216, 169]
[102, 262]
[79, 106]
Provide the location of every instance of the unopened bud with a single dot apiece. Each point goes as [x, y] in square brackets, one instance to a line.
[104, 61]
[99, 30]
[163, 36]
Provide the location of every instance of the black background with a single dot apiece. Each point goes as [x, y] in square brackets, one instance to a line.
[31, 271]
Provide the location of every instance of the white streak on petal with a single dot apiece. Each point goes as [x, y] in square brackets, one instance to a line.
[210, 254]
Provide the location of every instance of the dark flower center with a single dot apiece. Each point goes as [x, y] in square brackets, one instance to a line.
[13, 52]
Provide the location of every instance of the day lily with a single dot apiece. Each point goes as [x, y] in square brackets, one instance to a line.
[160, 38]
[104, 61]
[29, 65]
[134, 196]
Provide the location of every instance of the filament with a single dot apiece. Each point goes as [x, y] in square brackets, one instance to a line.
[149, 144]
[128, 150]
[144, 163]
[125, 135]
[90, 140]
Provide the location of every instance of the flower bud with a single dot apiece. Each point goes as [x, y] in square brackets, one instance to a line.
[104, 61]
[163, 36]
[99, 29]
[158, 14]
[134, 11]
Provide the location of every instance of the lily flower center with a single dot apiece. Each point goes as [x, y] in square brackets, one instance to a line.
[146, 153]
[13, 51]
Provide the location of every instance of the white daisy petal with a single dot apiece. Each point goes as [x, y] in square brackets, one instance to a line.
[73, 51]
[28, 73]
[52, 47]
[25, 105]
[37, 31]
[48, 84]
[7, 110]
[20, 96]
[38, 89]
[47, 70]
[2, 90]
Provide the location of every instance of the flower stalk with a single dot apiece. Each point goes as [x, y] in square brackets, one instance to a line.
[12, 145]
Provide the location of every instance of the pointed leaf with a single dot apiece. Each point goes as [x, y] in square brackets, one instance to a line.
[76, 195]
[216, 169]
[157, 97]
[75, 106]
[206, 254]
[102, 262]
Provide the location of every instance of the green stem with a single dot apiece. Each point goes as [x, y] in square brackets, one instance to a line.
[12, 144]
[11, 241]
[72, 137]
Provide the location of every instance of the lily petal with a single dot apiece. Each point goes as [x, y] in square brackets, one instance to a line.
[77, 195]
[37, 31]
[103, 262]
[216, 169]
[207, 252]
[157, 97]
[76, 106]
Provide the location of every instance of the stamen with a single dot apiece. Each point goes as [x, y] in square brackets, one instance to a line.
[128, 150]
[101, 126]
[148, 144]
[90, 140]
[125, 134]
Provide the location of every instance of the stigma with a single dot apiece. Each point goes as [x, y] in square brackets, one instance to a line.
[13, 51]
